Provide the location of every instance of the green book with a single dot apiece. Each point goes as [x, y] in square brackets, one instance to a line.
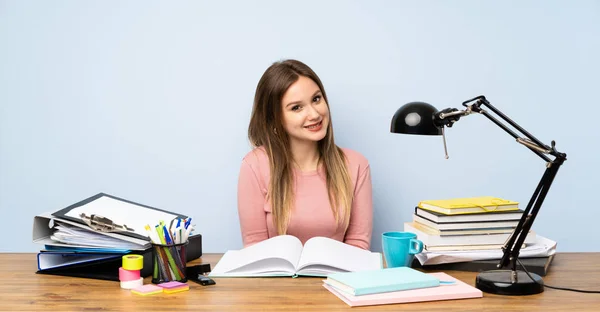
[381, 281]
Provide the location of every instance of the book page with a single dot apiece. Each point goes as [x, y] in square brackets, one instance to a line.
[272, 255]
[320, 253]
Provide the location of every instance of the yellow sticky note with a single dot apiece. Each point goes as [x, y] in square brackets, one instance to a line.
[147, 289]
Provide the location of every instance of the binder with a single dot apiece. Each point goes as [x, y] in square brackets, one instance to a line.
[57, 259]
[105, 269]
[96, 233]
[117, 212]
[108, 268]
[44, 223]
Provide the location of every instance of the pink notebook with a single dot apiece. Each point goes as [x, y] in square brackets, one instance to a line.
[458, 290]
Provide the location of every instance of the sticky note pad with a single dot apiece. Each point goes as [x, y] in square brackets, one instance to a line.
[174, 290]
[173, 287]
[173, 284]
[147, 289]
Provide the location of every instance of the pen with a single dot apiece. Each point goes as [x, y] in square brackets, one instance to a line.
[178, 229]
[161, 235]
[171, 225]
[173, 264]
[167, 234]
[187, 233]
[175, 253]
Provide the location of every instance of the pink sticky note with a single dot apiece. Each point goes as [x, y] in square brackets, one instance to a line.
[171, 285]
[147, 289]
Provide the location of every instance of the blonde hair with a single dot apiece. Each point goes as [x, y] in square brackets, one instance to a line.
[266, 129]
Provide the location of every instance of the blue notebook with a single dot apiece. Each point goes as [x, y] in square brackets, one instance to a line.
[380, 281]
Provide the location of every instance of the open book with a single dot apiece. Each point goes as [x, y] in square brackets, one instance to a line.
[284, 255]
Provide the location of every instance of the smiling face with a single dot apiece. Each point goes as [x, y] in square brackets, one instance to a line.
[305, 114]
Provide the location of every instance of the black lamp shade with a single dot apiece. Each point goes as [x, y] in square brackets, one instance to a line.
[415, 118]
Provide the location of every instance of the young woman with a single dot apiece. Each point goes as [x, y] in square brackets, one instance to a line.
[296, 181]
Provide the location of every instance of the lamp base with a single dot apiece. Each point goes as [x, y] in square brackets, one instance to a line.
[507, 282]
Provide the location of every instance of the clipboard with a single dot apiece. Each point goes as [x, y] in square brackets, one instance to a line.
[129, 216]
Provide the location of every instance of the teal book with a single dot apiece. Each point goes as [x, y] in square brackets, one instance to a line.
[381, 281]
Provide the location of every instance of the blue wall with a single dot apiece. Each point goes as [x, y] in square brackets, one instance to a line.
[150, 101]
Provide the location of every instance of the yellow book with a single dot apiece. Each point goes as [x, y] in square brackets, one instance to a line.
[469, 205]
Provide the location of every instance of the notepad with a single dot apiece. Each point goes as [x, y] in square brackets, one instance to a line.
[147, 289]
[380, 281]
[173, 287]
[458, 290]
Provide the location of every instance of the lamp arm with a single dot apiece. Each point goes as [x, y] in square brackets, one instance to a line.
[530, 141]
[513, 245]
[447, 117]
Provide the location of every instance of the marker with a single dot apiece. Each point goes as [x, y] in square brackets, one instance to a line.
[151, 235]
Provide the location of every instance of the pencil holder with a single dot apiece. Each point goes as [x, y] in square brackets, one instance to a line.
[168, 263]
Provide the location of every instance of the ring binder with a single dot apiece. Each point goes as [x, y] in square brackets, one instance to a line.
[109, 209]
[103, 224]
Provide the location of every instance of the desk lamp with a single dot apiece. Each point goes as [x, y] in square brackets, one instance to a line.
[422, 118]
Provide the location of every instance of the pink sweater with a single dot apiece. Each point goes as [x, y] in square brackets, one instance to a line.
[311, 215]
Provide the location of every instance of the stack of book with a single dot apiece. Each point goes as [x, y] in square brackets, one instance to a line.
[476, 223]
[464, 234]
[396, 285]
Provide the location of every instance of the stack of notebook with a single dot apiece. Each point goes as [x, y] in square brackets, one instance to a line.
[475, 223]
[396, 285]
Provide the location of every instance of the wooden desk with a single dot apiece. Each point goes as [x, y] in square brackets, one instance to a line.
[23, 290]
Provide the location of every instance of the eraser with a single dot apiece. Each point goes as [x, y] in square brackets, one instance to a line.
[147, 289]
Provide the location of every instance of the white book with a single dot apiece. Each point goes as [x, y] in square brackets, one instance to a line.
[472, 217]
[284, 255]
[466, 225]
[430, 239]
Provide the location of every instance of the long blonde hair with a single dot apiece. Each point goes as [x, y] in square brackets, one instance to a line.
[266, 129]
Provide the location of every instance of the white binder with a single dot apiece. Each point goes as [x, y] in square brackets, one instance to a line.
[119, 211]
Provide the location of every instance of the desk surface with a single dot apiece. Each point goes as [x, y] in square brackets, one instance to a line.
[23, 290]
